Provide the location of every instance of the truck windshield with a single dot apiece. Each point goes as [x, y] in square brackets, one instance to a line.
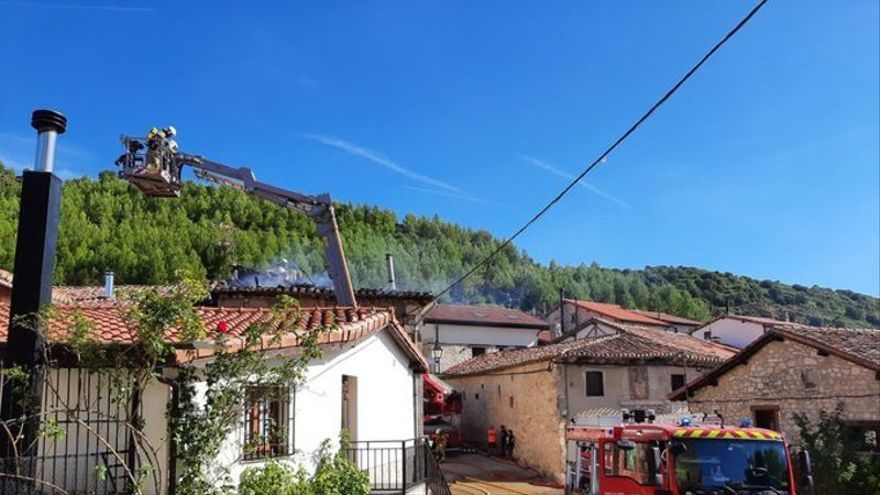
[731, 466]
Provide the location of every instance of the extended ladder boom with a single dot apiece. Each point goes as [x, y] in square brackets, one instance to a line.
[155, 170]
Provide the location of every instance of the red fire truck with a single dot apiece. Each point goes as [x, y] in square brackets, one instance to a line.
[684, 459]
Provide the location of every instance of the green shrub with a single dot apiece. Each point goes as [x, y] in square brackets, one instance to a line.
[274, 479]
[334, 475]
[840, 465]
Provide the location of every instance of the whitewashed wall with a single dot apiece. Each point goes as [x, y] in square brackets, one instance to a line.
[385, 396]
[72, 458]
[475, 335]
[733, 332]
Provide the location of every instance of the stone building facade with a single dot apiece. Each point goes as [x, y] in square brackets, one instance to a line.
[524, 399]
[464, 332]
[796, 370]
[539, 390]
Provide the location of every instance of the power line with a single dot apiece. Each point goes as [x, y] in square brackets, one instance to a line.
[608, 151]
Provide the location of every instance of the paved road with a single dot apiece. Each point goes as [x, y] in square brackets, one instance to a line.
[476, 474]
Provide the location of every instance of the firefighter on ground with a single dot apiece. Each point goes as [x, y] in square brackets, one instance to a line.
[491, 439]
[439, 444]
[511, 443]
[503, 447]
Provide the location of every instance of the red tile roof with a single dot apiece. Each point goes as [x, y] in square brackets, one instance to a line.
[320, 292]
[682, 341]
[91, 295]
[545, 336]
[630, 344]
[484, 316]
[761, 320]
[857, 345]
[668, 318]
[861, 346]
[616, 312]
[87, 295]
[340, 325]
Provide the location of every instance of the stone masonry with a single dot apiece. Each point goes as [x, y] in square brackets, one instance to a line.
[524, 399]
[795, 378]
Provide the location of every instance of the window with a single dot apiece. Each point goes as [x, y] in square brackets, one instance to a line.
[639, 383]
[511, 401]
[595, 384]
[808, 378]
[677, 381]
[629, 463]
[767, 418]
[477, 351]
[267, 422]
[863, 435]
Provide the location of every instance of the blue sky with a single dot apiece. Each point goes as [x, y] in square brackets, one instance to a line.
[766, 164]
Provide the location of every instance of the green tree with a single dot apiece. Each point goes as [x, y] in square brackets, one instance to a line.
[839, 464]
[108, 225]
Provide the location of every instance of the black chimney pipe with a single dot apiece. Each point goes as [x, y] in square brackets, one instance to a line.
[32, 288]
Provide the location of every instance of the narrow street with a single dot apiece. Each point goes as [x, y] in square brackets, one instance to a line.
[476, 474]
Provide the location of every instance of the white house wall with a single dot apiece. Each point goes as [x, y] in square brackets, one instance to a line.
[385, 401]
[475, 335]
[733, 332]
[93, 443]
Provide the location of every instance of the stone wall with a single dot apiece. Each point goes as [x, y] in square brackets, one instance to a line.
[653, 383]
[525, 399]
[453, 353]
[795, 378]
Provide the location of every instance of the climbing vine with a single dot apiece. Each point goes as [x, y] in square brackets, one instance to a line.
[211, 372]
[212, 397]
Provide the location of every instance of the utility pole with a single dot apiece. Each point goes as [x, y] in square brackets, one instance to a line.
[31, 291]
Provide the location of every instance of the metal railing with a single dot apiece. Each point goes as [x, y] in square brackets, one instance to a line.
[436, 481]
[396, 466]
[86, 442]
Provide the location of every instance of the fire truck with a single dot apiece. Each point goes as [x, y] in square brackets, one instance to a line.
[646, 458]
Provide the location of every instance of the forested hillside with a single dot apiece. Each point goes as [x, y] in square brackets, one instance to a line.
[107, 225]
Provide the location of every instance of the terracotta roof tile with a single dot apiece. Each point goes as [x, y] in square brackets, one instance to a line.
[316, 291]
[616, 312]
[668, 318]
[484, 315]
[629, 344]
[545, 336]
[342, 324]
[760, 320]
[5, 278]
[858, 345]
[87, 295]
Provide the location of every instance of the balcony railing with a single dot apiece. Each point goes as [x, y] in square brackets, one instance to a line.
[398, 466]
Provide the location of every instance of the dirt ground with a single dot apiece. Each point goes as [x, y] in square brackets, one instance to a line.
[477, 474]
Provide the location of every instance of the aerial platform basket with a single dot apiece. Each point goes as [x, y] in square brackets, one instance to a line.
[154, 172]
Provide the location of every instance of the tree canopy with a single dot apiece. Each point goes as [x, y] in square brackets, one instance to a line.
[108, 225]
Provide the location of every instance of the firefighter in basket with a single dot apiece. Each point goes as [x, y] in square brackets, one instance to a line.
[159, 149]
